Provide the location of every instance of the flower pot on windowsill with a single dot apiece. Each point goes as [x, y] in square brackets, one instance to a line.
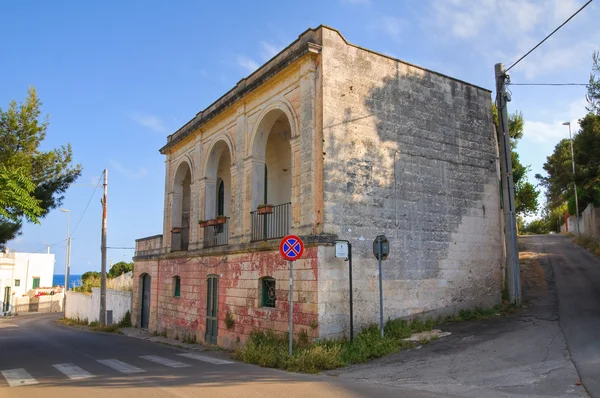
[211, 222]
[176, 230]
[202, 223]
[221, 220]
[265, 209]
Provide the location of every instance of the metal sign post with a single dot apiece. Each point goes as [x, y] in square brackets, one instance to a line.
[381, 249]
[291, 248]
[343, 249]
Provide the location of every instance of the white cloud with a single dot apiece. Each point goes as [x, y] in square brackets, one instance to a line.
[150, 121]
[392, 26]
[247, 63]
[269, 50]
[139, 173]
[553, 131]
[504, 30]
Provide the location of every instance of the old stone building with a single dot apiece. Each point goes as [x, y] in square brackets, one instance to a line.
[345, 143]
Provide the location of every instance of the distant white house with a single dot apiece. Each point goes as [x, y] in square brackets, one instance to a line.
[22, 272]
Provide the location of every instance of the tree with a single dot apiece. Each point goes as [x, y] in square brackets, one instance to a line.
[593, 94]
[526, 195]
[37, 179]
[16, 196]
[559, 168]
[119, 268]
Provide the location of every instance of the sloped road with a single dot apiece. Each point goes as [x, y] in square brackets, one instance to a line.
[577, 274]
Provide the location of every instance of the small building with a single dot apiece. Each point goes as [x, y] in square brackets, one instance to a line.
[22, 272]
[326, 141]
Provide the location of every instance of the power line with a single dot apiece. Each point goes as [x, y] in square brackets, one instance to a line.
[86, 206]
[547, 84]
[547, 37]
[121, 248]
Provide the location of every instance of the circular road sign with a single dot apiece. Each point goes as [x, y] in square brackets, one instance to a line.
[291, 247]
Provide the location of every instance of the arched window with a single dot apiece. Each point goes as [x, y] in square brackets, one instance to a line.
[221, 199]
[267, 289]
[176, 286]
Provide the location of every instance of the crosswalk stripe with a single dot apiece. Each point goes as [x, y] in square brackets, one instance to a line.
[18, 377]
[74, 372]
[165, 361]
[205, 358]
[120, 366]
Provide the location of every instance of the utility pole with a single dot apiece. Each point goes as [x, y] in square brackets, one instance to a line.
[67, 261]
[510, 219]
[103, 249]
[574, 183]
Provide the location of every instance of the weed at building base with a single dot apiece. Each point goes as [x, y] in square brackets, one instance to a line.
[269, 349]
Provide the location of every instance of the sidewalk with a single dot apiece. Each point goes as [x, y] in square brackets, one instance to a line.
[143, 334]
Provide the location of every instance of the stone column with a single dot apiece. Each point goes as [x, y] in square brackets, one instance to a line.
[235, 213]
[307, 156]
[296, 199]
[238, 210]
[254, 172]
[167, 207]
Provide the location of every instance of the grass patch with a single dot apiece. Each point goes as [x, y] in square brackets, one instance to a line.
[95, 326]
[270, 349]
[588, 242]
[73, 321]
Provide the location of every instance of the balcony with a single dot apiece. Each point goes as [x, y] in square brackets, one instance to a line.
[216, 235]
[149, 246]
[271, 225]
[180, 238]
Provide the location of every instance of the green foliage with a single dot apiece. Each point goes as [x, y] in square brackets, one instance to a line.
[119, 268]
[126, 321]
[559, 168]
[593, 89]
[89, 280]
[536, 227]
[36, 179]
[16, 196]
[526, 195]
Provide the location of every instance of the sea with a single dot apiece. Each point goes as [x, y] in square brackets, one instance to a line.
[59, 280]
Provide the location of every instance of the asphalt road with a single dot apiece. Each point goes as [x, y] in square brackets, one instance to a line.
[577, 274]
[540, 351]
[40, 358]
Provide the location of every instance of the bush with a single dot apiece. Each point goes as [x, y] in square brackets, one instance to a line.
[126, 321]
[270, 349]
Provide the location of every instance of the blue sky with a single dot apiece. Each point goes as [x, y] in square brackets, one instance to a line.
[117, 77]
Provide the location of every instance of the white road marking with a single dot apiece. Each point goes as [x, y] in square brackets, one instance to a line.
[165, 361]
[18, 377]
[205, 358]
[120, 366]
[74, 372]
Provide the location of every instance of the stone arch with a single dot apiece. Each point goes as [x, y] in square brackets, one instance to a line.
[181, 206]
[219, 161]
[257, 139]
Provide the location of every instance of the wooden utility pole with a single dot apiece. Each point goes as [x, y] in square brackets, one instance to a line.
[103, 249]
[508, 189]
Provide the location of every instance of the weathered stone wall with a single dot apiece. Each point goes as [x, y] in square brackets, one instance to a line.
[410, 154]
[238, 294]
[141, 267]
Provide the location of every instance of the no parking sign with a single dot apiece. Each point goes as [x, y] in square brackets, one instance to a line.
[291, 247]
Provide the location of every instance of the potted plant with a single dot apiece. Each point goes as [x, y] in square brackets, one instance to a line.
[211, 222]
[176, 230]
[265, 209]
[221, 219]
[203, 223]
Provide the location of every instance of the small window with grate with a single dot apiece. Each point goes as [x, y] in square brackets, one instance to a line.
[267, 285]
[176, 286]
